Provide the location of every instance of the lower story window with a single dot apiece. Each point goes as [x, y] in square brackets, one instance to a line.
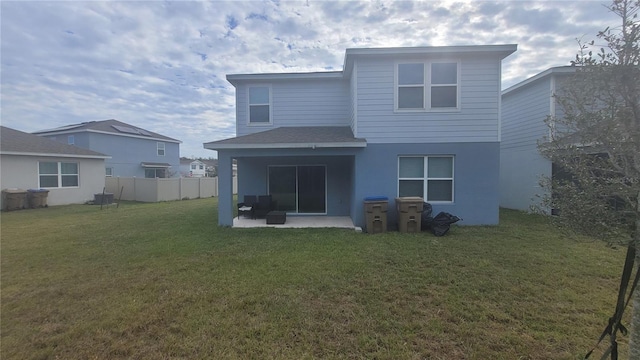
[429, 177]
[58, 174]
[155, 173]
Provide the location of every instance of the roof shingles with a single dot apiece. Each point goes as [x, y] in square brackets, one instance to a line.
[292, 137]
[18, 142]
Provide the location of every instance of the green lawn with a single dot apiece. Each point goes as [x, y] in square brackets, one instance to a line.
[152, 281]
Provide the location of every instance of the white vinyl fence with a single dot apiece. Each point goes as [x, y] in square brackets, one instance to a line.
[154, 190]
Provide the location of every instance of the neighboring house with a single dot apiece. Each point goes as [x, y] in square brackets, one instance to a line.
[134, 152]
[421, 121]
[525, 106]
[192, 168]
[70, 173]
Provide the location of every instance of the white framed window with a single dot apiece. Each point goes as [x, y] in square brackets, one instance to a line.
[109, 171]
[427, 86]
[193, 166]
[259, 105]
[444, 85]
[201, 167]
[71, 140]
[58, 174]
[151, 173]
[160, 147]
[429, 177]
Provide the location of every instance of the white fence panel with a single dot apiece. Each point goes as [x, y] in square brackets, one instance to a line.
[154, 190]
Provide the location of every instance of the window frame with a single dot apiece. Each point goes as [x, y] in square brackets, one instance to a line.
[426, 178]
[249, 104]
[161, 148]
[71, 140]
[59, 175]
[108, 171]
[427, 86]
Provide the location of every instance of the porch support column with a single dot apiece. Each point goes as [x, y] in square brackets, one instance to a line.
[225, 189]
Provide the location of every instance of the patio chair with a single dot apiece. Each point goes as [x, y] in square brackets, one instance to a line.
[263, 206]
[246, 207]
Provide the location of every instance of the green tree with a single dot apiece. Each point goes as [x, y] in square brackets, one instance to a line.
[595, 141]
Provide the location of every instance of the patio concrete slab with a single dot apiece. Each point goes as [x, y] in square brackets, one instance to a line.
[343, 222]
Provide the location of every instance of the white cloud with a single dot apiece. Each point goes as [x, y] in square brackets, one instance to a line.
[162, 65]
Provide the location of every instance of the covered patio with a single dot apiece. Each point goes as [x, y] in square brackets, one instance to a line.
[308, 171]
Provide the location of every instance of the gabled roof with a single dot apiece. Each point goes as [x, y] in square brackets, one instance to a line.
[292, 137]
[563, 70]
[351, 54]
[113, 127]
[14, 142]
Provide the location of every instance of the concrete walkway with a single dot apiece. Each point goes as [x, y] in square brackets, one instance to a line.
[299, 221]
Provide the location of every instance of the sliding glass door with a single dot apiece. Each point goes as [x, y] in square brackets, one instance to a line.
[299, 189]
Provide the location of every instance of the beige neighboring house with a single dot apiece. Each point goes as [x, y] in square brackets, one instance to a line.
[70, 173]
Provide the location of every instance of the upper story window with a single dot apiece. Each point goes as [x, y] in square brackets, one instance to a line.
[58, 174]
[427, 86]
[259, 105]
[71, 140]
[411, 86]
[160, 149]
[109, 171]
[444, 85]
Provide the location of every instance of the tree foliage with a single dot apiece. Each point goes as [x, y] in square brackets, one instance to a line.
[594, 140]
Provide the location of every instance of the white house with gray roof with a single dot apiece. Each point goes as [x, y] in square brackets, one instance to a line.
[420, 121]
[135, 152]
[70, 173]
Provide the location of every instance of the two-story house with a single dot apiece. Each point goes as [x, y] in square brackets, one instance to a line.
[422, 121]
[525, 106]
[134, 152]
[192, 168]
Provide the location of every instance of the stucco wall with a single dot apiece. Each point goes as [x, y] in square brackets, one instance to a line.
[22, 172]
[476, 175]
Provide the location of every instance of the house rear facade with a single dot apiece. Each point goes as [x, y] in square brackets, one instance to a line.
[421, 121]
[135, 152]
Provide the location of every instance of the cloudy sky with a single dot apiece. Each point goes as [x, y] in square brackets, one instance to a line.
[161, 65]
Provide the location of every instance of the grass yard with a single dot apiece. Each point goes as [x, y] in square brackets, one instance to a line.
[162, 281]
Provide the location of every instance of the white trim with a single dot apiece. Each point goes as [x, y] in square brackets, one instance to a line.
[499, 101]
[59, 174]
[552, 106]
[270, 104]
[18, 153]
[164, 148]
[425, 178]
[233, 78]
[553, 70]
[286, 146]
[427, 86]
[47, 133]
[355, 100]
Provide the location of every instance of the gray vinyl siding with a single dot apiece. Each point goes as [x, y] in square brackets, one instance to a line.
[353, 100]
[523, 113]
[521, 165]
[311, 102]
[475, 121]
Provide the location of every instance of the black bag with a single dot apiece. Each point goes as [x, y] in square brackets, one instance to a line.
[441, 223]
[426, 220]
